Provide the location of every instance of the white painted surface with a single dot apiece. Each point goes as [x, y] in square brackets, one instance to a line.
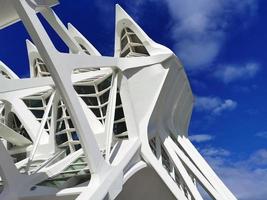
[151, 158]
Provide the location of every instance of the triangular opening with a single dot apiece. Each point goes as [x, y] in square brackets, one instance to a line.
[66, 136]
[37, 104]
[15, 124]
[131, 45]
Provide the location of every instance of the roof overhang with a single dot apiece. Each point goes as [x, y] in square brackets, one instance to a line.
[9, 15]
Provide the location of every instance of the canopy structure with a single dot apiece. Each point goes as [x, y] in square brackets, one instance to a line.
[89, 127]
[9, 15]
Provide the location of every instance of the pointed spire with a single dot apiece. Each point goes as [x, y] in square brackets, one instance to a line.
[4, 69]
[82, 40]
[30, 46]
[123, 20]
[32, 55]
[121, 14]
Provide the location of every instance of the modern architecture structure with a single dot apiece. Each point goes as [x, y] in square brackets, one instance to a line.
[92, 127]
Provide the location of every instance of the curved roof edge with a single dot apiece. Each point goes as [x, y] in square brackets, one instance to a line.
[9, 15]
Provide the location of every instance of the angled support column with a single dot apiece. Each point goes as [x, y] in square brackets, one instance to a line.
[205, 168]
[181, 169]
[13, 180]
[109, 122]
[195, 171]
[41, 129]
[112, 183]
[148, 155]
[63, 83]
[62, 31]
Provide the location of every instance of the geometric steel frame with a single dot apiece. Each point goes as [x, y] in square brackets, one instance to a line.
[154, 118]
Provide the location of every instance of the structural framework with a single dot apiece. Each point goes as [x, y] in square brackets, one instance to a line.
[86, 126]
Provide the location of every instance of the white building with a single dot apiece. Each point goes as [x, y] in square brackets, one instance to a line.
[86, 126]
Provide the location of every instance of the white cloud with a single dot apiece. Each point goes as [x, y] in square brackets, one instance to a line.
[247, 178]
[198, 53]
[200, 27]
[201, 138]
[228, 104]
[233, 73]
[247, 184]
[214, 105]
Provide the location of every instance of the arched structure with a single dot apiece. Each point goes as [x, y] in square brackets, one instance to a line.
[86, 126]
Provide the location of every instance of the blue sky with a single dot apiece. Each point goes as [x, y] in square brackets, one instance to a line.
[222, 44]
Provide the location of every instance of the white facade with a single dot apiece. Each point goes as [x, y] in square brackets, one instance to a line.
[86, 126]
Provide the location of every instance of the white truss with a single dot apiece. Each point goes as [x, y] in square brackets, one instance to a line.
[86, 126]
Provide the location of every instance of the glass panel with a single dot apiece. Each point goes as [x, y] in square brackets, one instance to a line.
[124, 42]
[119, 113]
[38, 113]
[140, 49]
[124, 54]
[104, 84]
[119, 128]
[84, 49]
[129, 30]
[80, 89]
[135, 39]
[96, 111]
[74, 136]
[33, 103]
[60, 139]
[90, 101]
[104, 97]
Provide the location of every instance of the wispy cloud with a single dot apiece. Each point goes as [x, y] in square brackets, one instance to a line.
[214, 105]
[200, 27]
[201, 138]
[233, 73]
[262, 134]
[247, 178]
[211, 151]
[259, 157]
